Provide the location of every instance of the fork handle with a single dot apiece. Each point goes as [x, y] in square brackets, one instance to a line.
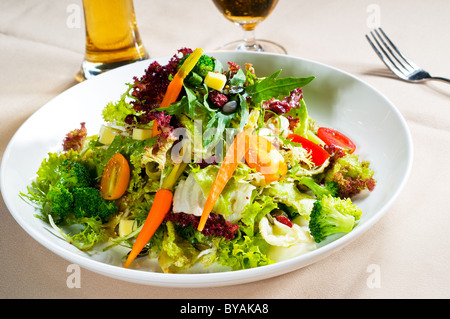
[440, 79]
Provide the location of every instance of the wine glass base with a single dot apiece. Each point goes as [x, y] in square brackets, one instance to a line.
[89, 70]
[258, 46]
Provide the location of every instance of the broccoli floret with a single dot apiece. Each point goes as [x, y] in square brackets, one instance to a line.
[351, 175]
[204, 65]
[88, 202]
[332, 215]
[329, 188]
[74, 174]
[60, 201]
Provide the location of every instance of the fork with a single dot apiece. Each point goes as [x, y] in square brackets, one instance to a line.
[402, 67]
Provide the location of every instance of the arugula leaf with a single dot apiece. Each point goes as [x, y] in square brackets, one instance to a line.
[270, 87]
[244, 112]
[238, 79]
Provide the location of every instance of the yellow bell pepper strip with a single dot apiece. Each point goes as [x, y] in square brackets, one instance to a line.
[160, 207]
[264, 157]
[234, 154]
[175, 86]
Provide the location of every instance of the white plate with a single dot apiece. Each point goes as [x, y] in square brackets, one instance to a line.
[335, 99]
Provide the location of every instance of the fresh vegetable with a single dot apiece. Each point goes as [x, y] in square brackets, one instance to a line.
[330, 188]
[261, 155]
[288, 195]
[66, 194]
[175, 86]
[115, 178]
[138, 106]
[319, 154]
[332, 215]
[351, 175]
[88, 202]
[59, 201]
[160, 207]
[75, 139]
[336, 138]
[272, 86]
[234, 154]
[202, 67]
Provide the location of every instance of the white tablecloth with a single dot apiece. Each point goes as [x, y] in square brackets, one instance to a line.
[40, 52]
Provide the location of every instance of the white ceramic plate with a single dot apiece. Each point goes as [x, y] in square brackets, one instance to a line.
[335, 99]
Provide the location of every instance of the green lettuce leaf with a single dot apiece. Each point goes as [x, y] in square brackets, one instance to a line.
[176, 252]
[115, 112]
[288, 194]
[271, 86]
[244, 252]
[300, 113]
[234, 198]
[254, 212]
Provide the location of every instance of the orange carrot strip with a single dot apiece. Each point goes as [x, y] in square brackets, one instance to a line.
[232, 158]
[175, 86]
[161, 206]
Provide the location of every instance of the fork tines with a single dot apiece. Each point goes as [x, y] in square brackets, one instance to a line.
[389, 54]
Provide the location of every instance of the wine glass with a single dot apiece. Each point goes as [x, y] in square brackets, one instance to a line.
[248, 14]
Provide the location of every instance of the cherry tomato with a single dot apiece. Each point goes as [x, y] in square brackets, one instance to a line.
[261, 155]
[115, 178]
[333, 137]
[318, 154]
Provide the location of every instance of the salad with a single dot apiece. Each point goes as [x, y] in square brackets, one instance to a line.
[202, 164]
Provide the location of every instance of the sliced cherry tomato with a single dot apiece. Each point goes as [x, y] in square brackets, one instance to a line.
[318, 154]
[115, 178]
[336, 138]
[261, 155]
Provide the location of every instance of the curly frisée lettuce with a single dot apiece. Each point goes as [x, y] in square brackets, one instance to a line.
[273, 203]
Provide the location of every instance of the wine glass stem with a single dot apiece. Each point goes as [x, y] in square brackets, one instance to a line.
[250, 41]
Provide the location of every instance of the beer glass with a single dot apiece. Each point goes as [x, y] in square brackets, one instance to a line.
[248, 14]
[112, 37]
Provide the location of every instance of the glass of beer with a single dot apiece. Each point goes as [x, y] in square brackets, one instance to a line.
[248, 14]
[112, 37]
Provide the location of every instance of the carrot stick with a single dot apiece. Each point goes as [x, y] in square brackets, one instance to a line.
[175, 86]
[234, 154]
[161, 206]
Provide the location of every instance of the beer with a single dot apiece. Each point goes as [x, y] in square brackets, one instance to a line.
[246, 13]
[112, 36]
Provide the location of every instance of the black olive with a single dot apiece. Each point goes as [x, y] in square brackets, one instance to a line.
[229, 107]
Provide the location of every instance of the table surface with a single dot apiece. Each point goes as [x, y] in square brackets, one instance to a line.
[40, 52]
